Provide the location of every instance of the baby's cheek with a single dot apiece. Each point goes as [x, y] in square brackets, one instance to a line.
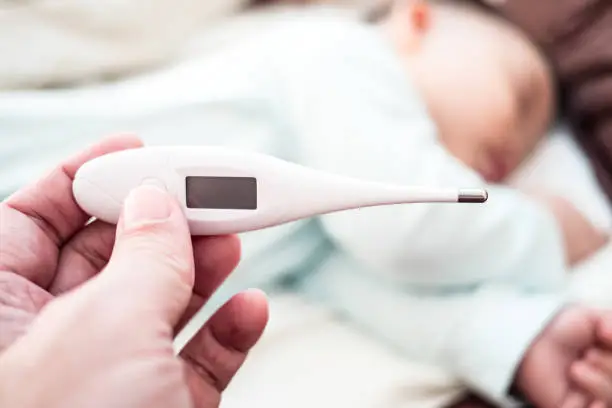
[508, 140]
[467, 151]
[483, 136]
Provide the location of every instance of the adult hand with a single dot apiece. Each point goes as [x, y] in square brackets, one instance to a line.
[80, 327]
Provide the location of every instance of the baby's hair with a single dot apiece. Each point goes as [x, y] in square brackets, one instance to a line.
[378, 12]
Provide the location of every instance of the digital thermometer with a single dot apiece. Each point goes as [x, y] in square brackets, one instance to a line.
[225, 191]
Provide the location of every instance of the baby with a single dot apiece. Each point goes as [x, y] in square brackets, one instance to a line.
[428, 94]
[491, 97]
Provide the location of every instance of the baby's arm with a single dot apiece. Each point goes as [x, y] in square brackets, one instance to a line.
[582, 238]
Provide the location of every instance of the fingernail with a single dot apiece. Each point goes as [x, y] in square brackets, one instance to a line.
[147, 203]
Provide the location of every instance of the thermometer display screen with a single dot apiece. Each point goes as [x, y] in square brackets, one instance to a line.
[221, 193]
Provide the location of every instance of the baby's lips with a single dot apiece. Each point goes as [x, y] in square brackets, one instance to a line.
[491, 173]
[497, 169]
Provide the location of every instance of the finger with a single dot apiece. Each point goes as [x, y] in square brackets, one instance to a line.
[217, 352]
[38, 219]
[600, 359]
[50, 203]
[88, 252]
[593, 381]
[83, 257]
[152, 268]
[575, 399]
[604, 330]
[215, 258]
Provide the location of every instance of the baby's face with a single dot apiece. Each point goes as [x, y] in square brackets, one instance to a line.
[488, 89]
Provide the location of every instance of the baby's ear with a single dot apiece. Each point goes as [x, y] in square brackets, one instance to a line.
[412, 20]
[415, 13]
[420, 15]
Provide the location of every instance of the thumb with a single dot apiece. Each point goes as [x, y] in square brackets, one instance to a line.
[152, 262]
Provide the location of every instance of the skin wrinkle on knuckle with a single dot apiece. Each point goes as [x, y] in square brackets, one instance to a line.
[50, 231]
[22, 252]
[10, 252]
[16, 291]
[90, 251]
[203, 371]
[153, 227]
[12, 298]
[214, 361]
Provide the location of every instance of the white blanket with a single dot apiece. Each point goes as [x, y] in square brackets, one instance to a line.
[50, 43]
[46, 42]
[307, 358]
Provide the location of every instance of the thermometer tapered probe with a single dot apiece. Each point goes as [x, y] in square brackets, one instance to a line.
[226, 191]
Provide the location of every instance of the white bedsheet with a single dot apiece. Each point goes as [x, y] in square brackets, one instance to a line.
[307, 358]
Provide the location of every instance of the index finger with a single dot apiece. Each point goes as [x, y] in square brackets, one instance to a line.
[45, 214]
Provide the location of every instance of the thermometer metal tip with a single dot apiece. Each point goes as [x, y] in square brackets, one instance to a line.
[473, 196]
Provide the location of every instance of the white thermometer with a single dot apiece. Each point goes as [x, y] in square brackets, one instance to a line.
[225, 191]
